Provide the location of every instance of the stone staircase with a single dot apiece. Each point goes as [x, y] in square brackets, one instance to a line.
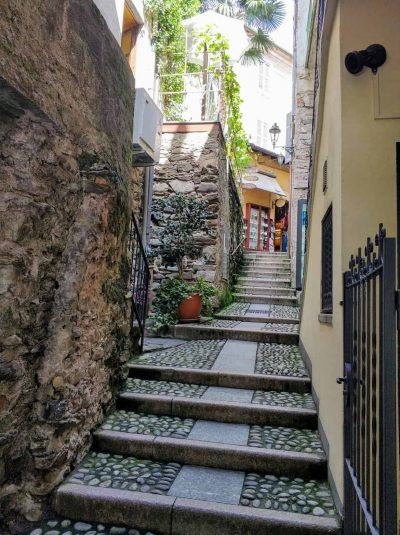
[210, 436]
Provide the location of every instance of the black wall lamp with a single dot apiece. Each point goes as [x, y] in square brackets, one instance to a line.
[374, 56]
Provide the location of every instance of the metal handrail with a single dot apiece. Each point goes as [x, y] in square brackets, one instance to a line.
[139, 278]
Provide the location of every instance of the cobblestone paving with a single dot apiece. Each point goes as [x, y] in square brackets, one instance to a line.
[148, 424]
[63, 526]
[129, 473]
[285, 438]
[234, 309]
[285, 399]
[164, 388]
[280, 359]
[285, 494]
[281, 327]
[227, 324]
[278, 311]
[194, 354]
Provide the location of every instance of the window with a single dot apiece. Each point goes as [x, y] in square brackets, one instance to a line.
[327, 263]
[129, 36]
[262, 134]
[263, 77]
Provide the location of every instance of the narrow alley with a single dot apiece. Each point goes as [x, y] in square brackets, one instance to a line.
[211, 436]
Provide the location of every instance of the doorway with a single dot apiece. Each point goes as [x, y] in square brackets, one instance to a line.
[257, 228]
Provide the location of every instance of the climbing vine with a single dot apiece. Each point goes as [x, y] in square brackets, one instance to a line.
[166, 18]
[237, 142]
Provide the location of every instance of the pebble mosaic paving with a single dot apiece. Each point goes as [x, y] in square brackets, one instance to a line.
[280, 359]
[286, 494]
[285, 399]
[148, 424]
[164, 388]
[234, 309]
[63, 526]
[194, 354]
[292, 328]
[285, 438]
[126, 473]
[226, 324]
[277, 311]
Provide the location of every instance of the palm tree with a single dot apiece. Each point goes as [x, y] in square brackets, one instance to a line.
[260, 16]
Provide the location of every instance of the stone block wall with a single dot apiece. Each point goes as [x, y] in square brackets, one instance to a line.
[66, 190]
[193, 161]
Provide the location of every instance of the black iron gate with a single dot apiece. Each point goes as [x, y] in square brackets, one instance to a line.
[370, 386]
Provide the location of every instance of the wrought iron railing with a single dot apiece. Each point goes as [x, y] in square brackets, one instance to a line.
[139, 279]
[371, 384]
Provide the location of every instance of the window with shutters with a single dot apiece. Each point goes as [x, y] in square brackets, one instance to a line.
[263, 77]
[262, 134]
[327, 263]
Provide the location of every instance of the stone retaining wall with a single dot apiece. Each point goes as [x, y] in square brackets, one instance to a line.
[193, 161]
[66, 108]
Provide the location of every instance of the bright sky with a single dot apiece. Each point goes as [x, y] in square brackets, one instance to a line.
[284, 35]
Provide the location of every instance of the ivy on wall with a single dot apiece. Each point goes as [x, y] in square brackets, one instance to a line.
[237, 141]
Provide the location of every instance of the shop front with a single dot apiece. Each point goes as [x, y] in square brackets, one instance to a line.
[266, 208]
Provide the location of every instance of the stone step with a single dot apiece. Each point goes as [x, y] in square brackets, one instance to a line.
[265, 281]
[257, 318]
[267, 262]
[231, 446]
[266, 273]
[172, 498]
[269, 290]
[261, 254]
[67, 526]
[215, 378]
[267, 299]
[234, 330]
[218, 411]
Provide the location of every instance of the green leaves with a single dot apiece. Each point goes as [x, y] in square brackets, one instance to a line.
[171, 293]
[179, 217]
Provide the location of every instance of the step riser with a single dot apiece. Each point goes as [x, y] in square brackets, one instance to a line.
[213, 455]
[265, 300]
[258, 318]
[235, 413]
[228, 380]
[284, 292]
[180, 516]
[268, 274]
[185, 332]
[273, 283]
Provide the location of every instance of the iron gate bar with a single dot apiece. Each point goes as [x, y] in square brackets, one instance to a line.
[370, 432]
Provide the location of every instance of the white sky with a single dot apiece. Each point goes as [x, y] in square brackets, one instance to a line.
[283, 36]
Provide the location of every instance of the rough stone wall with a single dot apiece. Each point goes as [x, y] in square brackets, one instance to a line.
[194, 163]
[66, 190]
[303, 122]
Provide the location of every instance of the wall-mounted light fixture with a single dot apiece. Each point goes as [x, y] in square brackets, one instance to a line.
[274, 132]
[374, 56]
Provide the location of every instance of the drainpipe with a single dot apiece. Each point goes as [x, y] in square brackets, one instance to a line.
[147, 202]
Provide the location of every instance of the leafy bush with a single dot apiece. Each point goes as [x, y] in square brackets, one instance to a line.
[179, 216]
[171, 293]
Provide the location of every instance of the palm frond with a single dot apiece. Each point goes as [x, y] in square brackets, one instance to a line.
[265, 14]
[252, 56]
[261, 41]
[229, 8]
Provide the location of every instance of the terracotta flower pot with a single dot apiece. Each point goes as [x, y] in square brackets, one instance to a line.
[190, 308]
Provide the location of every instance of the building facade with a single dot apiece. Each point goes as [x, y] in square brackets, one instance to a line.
[353, 188]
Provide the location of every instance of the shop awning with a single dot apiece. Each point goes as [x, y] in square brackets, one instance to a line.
[263, 182]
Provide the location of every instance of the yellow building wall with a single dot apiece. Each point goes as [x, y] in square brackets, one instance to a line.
[360, 124]
[323, 342]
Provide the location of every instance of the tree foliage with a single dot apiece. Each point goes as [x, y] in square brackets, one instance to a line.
[261, 16]
[179, 217]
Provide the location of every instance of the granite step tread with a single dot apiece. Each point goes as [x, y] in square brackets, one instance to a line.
[265, 299]
[208, 501]
[247, 330]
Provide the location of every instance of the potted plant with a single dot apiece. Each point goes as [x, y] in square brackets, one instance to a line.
[179, 217]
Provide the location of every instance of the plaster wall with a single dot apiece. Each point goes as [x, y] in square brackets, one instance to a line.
[322, 342]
